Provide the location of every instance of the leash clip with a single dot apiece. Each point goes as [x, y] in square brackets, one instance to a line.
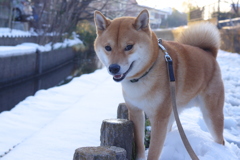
[168, 58]
[162, 47]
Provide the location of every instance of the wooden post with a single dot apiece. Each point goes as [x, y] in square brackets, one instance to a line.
[118, 132]
[122, 112]
[100, 153]
[117, 140]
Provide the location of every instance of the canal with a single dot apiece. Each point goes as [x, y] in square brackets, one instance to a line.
[12, 93]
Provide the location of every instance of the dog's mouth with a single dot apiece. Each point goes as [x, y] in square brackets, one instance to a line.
[120, 77]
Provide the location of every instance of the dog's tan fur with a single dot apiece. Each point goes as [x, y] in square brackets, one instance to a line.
[198, 77]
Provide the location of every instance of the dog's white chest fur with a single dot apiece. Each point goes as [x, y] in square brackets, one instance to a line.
[139, 95]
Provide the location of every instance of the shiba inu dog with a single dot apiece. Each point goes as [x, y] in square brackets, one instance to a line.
[130, 51]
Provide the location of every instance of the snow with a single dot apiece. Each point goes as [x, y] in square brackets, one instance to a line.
[30, 48]
[6, 51]
[53, 123]
[7, 32]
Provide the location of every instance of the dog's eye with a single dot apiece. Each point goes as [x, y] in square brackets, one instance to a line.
[108, 48]
[128, 48]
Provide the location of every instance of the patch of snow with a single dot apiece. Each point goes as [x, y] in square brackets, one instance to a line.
[30, 48]
[7, 32]
[6, 51]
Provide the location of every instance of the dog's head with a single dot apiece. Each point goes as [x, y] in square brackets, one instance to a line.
[124, 44]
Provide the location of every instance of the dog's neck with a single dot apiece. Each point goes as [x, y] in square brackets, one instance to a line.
[137, 79]
[155, 49]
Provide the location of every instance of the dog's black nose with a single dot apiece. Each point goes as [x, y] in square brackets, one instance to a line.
[114, 68]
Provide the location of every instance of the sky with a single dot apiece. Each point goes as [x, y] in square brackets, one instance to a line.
[162, 3]
[177, 4]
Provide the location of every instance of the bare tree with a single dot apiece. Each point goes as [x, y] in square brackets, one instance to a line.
[235, 7]
[190, 5]
[60, 17]
[119, 8]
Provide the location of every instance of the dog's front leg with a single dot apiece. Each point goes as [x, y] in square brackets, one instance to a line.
[159, 125]
[138, 118]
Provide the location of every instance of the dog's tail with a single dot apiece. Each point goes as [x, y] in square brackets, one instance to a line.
[204, 35]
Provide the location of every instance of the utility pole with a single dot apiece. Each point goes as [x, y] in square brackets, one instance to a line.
[11, 17]
[218, 15]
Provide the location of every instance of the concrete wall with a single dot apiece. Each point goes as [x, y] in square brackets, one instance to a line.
[169, 34]
[17, 67]
[12, 41]
[56, 57]
[165, 34]
[230, 39]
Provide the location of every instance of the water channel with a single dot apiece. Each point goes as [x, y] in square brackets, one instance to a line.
[12, 94]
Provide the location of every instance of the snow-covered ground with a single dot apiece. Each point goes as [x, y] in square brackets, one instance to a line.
[51, 124]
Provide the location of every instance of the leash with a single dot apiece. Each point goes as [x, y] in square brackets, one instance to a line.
[174, 104]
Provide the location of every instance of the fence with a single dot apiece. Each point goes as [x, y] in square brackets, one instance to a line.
[12, 41]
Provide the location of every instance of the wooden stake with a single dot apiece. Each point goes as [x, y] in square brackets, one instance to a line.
[118, 132]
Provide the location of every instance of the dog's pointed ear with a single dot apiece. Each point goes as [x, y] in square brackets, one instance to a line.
[101, 21]
[142, 20]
